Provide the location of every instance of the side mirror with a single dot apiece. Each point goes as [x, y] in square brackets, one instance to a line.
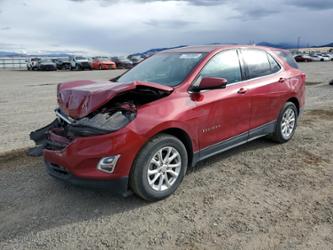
[211, 83]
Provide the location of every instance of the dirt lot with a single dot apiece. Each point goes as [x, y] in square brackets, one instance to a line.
[258, 196]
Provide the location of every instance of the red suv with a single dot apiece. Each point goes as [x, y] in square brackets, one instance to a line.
[143, 129]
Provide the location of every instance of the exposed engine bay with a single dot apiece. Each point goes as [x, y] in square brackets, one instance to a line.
[112, 116]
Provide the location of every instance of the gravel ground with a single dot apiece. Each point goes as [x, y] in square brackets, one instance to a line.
[258, 196]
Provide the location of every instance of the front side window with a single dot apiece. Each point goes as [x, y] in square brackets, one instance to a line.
[223, 65]
[166, 68]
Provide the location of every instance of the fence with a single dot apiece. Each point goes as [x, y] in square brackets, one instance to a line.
[18, 63]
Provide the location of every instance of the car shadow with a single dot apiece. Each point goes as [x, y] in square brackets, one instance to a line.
[250, 146]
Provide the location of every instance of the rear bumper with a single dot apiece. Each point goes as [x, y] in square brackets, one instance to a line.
[115, 186]
[108, 66]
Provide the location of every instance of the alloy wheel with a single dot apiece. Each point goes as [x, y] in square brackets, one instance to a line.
[288, 123]
[164, 168]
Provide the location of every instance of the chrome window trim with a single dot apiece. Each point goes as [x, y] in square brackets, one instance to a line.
[243, 81]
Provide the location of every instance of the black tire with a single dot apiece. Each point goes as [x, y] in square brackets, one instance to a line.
[139, 174]
[277, 136]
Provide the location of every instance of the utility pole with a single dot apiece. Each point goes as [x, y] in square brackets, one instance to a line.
[298, 43]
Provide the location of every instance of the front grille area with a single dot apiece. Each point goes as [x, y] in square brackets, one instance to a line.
[85, 64]
[58, 169]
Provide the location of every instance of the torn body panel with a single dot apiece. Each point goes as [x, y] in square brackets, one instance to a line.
[80, 98]
[116, 111]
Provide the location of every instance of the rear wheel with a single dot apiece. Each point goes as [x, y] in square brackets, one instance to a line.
[286, 123]
[159, 168]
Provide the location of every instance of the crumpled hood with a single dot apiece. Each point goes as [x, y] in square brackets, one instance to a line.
[80, 98]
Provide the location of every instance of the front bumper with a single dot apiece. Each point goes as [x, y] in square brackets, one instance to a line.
[47, 67]
[84, 65]
[118, 186]
[77, 160]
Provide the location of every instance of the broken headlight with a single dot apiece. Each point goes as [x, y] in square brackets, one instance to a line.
[101, 123]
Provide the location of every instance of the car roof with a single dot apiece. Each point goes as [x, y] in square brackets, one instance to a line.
[210, 48]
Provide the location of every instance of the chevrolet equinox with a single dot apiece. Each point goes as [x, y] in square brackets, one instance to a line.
[143, 129]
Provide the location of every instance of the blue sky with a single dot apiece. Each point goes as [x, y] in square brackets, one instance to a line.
[122, 27]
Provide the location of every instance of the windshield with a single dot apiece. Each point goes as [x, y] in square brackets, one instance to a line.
[167, 68]
[81, 58]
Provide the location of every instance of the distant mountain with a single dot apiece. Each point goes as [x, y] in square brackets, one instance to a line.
[46, 54]
[155, 50]
[278, 45]
[50, 55]
[325, 45]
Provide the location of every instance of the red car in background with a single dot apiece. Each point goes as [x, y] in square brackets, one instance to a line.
[303, 58]
[143, 129]
[102, 63]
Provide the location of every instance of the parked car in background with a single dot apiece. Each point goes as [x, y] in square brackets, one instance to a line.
[303, 58]
[322, 57]
[136, 59]
[142, 130]
[102, 63]
[79, 63]
[122, 62]
[315, 58]
[62, 64]
[32, 63]
[326, 57]
[46, 64]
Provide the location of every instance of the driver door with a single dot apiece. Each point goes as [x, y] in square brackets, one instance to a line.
[223, 114]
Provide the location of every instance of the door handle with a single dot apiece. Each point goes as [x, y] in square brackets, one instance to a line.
[282, 79]
[242, 91]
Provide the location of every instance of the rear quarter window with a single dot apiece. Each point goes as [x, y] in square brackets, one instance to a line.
[287, 57]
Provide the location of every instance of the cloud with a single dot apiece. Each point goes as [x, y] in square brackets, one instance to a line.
[120, 27]
[206, 2]
[5, 28]
[312, 4]
[169, 24]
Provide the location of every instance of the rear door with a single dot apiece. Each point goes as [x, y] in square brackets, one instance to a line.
[264, 76]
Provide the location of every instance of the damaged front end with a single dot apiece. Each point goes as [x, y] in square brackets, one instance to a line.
[100, 116]
[63, 130]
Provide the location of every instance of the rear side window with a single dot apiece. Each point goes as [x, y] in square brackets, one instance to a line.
[286, 56]
[259, 63]
[224, 65]
[275, 67]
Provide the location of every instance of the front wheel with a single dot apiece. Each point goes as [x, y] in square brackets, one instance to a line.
[286, 123]
[159, 168]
